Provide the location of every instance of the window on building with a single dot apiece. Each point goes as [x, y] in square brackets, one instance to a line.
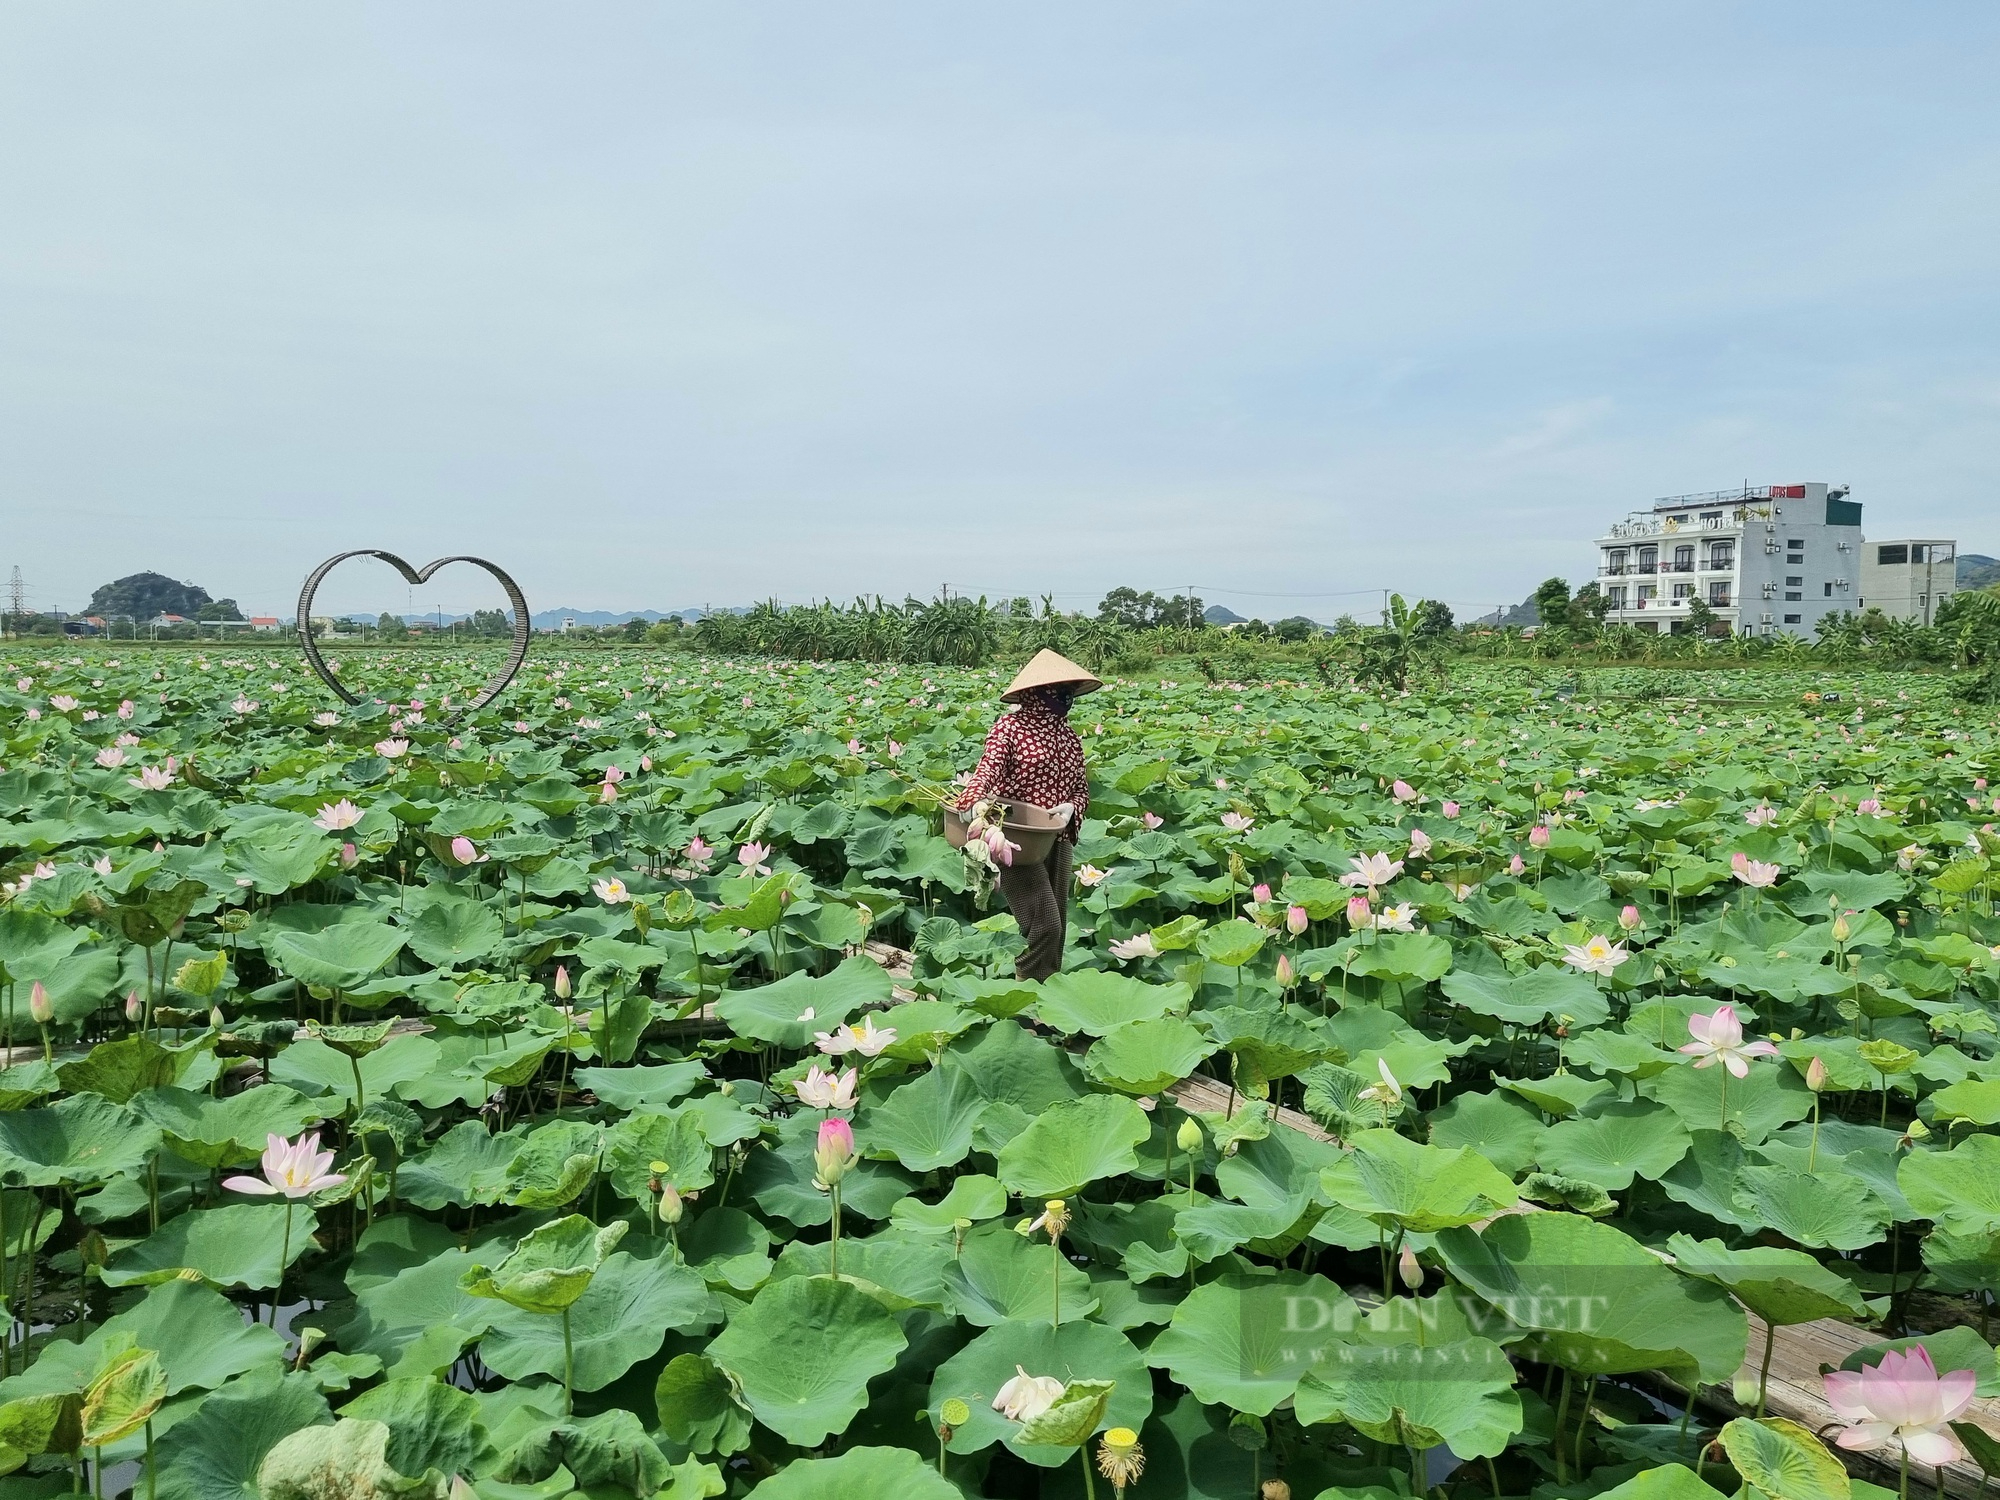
[1792, 619]
[1722, 554]
[1648, 591]
[1828, 588]
[1614, 561]
[1795, 583]
[1616, 594]
[1711, 518]
[1793, 596]
[1649, 559]
[1885, 556]
[1718, 594]
[1684, 559]
[1918, 552]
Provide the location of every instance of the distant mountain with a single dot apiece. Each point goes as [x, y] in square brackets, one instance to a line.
[1222, 614]
[552, 619]
[1514, 617]
[1976, 571]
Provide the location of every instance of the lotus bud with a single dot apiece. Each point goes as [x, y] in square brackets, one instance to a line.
[39, 1004]
[834, 1152]
[1539, 836]
[215, 1018]
[349, 856]
[1287, 976]
[562, 982]
[1188, 1137]
[1359, 914]
[135, 1008]
[671, 1207]
[1841, 931]
[1275, 1489]
[1815, 1075]
[1408, 1271]
[1296, 920]
[1260, 892]
[1630, 920]
[1516, 865]
[463, 851]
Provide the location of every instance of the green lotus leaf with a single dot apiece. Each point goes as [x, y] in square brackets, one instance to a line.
[230, 1131]
[467, 1165]
[1072, 1419]
[1073, 1144]
[216, 1452]
[1459, 1393]
[859, 1471]
[1093, 1002]
[1401, 956]
[1560, 1094]
[1958, 1190]
[1530, 998]
[610, 1453]
[1772, 1097]
[1784, 1460]
[31, 1425]
[1000, 1275]
[1244, 1341]
[1827, 1210]
[315, 1068]
[1973, 1099]
[549, 1268]
[340, 957]
[1397, 1182]
[1779, 1286]
[1074, 1351]
[349, 1458]
[393, 1313]
[790, 1012]
[1589, 1298]
[783, 1180]
[972, 1198]
[899, 1271]
[448, 933]
[1611, 1143]
[803, 1353]
[1146, 1057]
[81, 1139]
[1572, 1193]
[1231, 944]
[642, 1086]
[1265, 1044]
[431, 1425]
[1501, 1127]
[1668, 1482]
[698, 1408]
[621, 1318]
[928, 1122]
[234, 1246]
[119, 1070]
[727, 1247]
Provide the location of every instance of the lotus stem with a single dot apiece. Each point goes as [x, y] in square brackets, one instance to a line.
[1764, 1370]
[152, 1469]
[833, 1245]
[569, 1369]
[1562, 1416]
[284, 1254]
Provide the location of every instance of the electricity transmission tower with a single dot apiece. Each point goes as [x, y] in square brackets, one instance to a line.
[17, 599]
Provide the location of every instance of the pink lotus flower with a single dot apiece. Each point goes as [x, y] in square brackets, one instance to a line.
[1539, 836]
[855, 747]
[895, 751]
[1754, 873]
[752, 857]
[62, 703]
[392, 749]
[111, 758]
[608, 792]
[1870, 807]
[349, 856]
[466, 852]
[1719, 1038]
[1516, 866]
[1420, 844]
[1296, 919]
[1360, 915]
[1260, 892]
[612, 775]
[699, 853]
[1237, 822]
[1372, 871]
[1152, 820]
[1000, 847]
[833, 1153]
[126, 709]
[1761, 816]
[335, 816]
[152, 779]
[1402, 791]
[291, 1169]
[1903, 1400]
[40, 1007]
[1450, 809]
[1141, 946]
[1630, 920]
[1287, 976]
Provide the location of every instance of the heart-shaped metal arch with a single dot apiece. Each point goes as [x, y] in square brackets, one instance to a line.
[494, 684]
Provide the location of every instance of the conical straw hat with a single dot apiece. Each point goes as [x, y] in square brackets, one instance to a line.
[1047, 670]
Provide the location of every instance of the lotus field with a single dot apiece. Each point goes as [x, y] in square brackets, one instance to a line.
[622, 1091]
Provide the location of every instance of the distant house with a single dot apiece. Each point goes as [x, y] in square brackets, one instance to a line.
[164, 619]
[264, 622]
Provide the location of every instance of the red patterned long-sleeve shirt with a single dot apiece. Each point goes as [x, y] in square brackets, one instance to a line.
[1032, 755]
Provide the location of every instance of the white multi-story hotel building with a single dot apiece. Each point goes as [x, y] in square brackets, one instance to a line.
[1767, 560]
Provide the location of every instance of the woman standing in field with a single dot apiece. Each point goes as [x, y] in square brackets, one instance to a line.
[1032, 755]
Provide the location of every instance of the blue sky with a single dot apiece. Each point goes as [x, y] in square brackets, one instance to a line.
[660, 305]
